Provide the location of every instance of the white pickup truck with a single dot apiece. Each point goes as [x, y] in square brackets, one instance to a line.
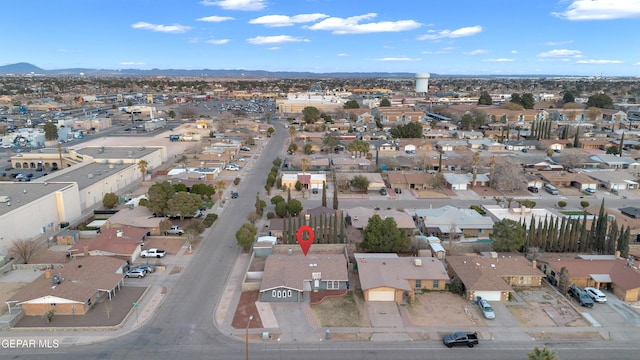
[153, 253]
[174, 230]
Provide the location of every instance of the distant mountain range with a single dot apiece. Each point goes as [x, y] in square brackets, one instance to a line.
[26, 68]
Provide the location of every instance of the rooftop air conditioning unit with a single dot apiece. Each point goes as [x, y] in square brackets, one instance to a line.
[417, 262]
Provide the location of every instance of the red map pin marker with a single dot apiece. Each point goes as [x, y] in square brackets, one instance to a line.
[305, 244]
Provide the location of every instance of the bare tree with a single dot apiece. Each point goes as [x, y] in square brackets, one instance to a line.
[23, 249]
[108, 306]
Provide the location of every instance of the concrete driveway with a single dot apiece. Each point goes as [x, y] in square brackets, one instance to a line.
[384, 314]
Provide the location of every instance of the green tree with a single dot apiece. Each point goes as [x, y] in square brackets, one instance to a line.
[298, 185]
[277, 162]
[172, 114]
[351, 104]
[466, 122]
[360, 182]
[270, 131]
[158, 195]
[294, 207]
[411, 130]
[179, 187]
[385, 103]
[612, 149]
[143, 165]
[245, 235]
[292, 148]
[258, 204]
[308, 149]
[281, 209]
[324, 194]
[330, 140]
[542, 354]
[335, 196]
[311, 114]
[485, 99]
[584, 204]
[203, 190]
[507, 236]
[276, 199]
[50, 131]
[602, 101]
[568, 97]
[527, 101]
[184, 204]
[562, 204]
[110, 200]
[384, 236]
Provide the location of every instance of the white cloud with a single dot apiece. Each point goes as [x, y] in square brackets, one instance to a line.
[445, 50]
[461, 32]
[217, 41]
[352, 25]
[396, 59]
[499, 60]
[599, 62]
[284, 20]
[242, 5]
[274, 48]
[558, 43]
[343, 55]
[476, 52]
[560, 53]
[637, 64]
[600, 10]
[278, 39]
[129, 63]
[514, 51]
[215, 19]
[175, 28]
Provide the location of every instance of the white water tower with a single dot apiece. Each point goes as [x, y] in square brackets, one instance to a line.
[422, 82]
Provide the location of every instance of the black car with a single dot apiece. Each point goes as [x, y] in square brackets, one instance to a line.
[533, 189]
[314, 191]
[234, 195]
[383, 191]
[397, 190]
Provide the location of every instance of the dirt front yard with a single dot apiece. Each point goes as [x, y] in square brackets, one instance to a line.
[7, 290]
[345, 311]
[440, 309]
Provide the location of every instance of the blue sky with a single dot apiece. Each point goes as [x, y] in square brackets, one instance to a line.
[564, 37]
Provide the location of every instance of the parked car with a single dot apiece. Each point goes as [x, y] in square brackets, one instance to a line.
[590, 190]
[174, 230]
[232, 168]
[533, 189]
[234, 194]
[524, 150]
[596, 295]
[245, 148]
[383, 191]
[485, 308]
[460, 338]
[153, 253]
[580, 296]
[397, 190]
[148, 268]
[314, 190]
[135, 272]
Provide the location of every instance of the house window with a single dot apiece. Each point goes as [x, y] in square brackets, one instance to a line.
[289, 293]
[418, 284]
[436, 284]
[273, 293]
[331, 285]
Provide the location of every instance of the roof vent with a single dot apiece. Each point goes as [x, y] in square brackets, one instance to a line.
[417, 262]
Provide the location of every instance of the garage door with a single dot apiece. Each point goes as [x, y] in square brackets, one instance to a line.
[381, 295]
[489, 295]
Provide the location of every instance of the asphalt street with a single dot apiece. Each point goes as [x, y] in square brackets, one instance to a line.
[184, 327]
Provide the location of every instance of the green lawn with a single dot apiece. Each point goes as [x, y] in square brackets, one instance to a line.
[572, 213]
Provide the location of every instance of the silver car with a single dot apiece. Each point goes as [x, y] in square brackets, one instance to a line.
[596, 295]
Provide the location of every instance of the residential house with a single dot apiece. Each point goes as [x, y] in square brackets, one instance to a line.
[620, 276]
[594, 144]
[553, 144]
[137, 217]
[519, 214]
[448, 219]
[350, 164]
[610, 161]
[494, 277]
[358, 218]
[73, 288]
[465, 181]
[468, 134]
[451, 145]
[308, 181]
[123, 243]
[375, 179]
[418, 181]
[288, 278]
[567, 179]
[387, 277]
[614, 180]
[519, 145]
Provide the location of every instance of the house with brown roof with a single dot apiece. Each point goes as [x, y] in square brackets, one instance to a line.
[292, 277]
[567, 179]
[387, 277]
[618, 275]
[137, 217]
[418, 181]
[73, 288]
[123, 243]
[493, 277]
[359, 218]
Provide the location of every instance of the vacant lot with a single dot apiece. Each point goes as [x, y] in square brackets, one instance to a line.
[343, 311]
[171, 244]
[7, 290]
[440, 309]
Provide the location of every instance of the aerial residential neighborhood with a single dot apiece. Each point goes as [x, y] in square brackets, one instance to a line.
[426, 211]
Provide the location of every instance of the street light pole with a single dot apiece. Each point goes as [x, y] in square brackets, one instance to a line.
[246, 347]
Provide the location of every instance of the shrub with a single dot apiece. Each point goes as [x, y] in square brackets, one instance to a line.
[478, 209]
[270, 215]
[562, 204]
[236, 181]
[210, 219]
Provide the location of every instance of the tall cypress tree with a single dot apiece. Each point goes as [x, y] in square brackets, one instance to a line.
[584, 234]
[576, 140]
[612, 238]
[623, 243]
[621, 145]
[342, 239]
[324, 194]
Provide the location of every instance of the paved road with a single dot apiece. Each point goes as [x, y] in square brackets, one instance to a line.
[184, 326]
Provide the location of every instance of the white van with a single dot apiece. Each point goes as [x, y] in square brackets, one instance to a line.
[551, 189]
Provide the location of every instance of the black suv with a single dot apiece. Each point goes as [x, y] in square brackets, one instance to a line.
[533, 189]
[581, 296]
